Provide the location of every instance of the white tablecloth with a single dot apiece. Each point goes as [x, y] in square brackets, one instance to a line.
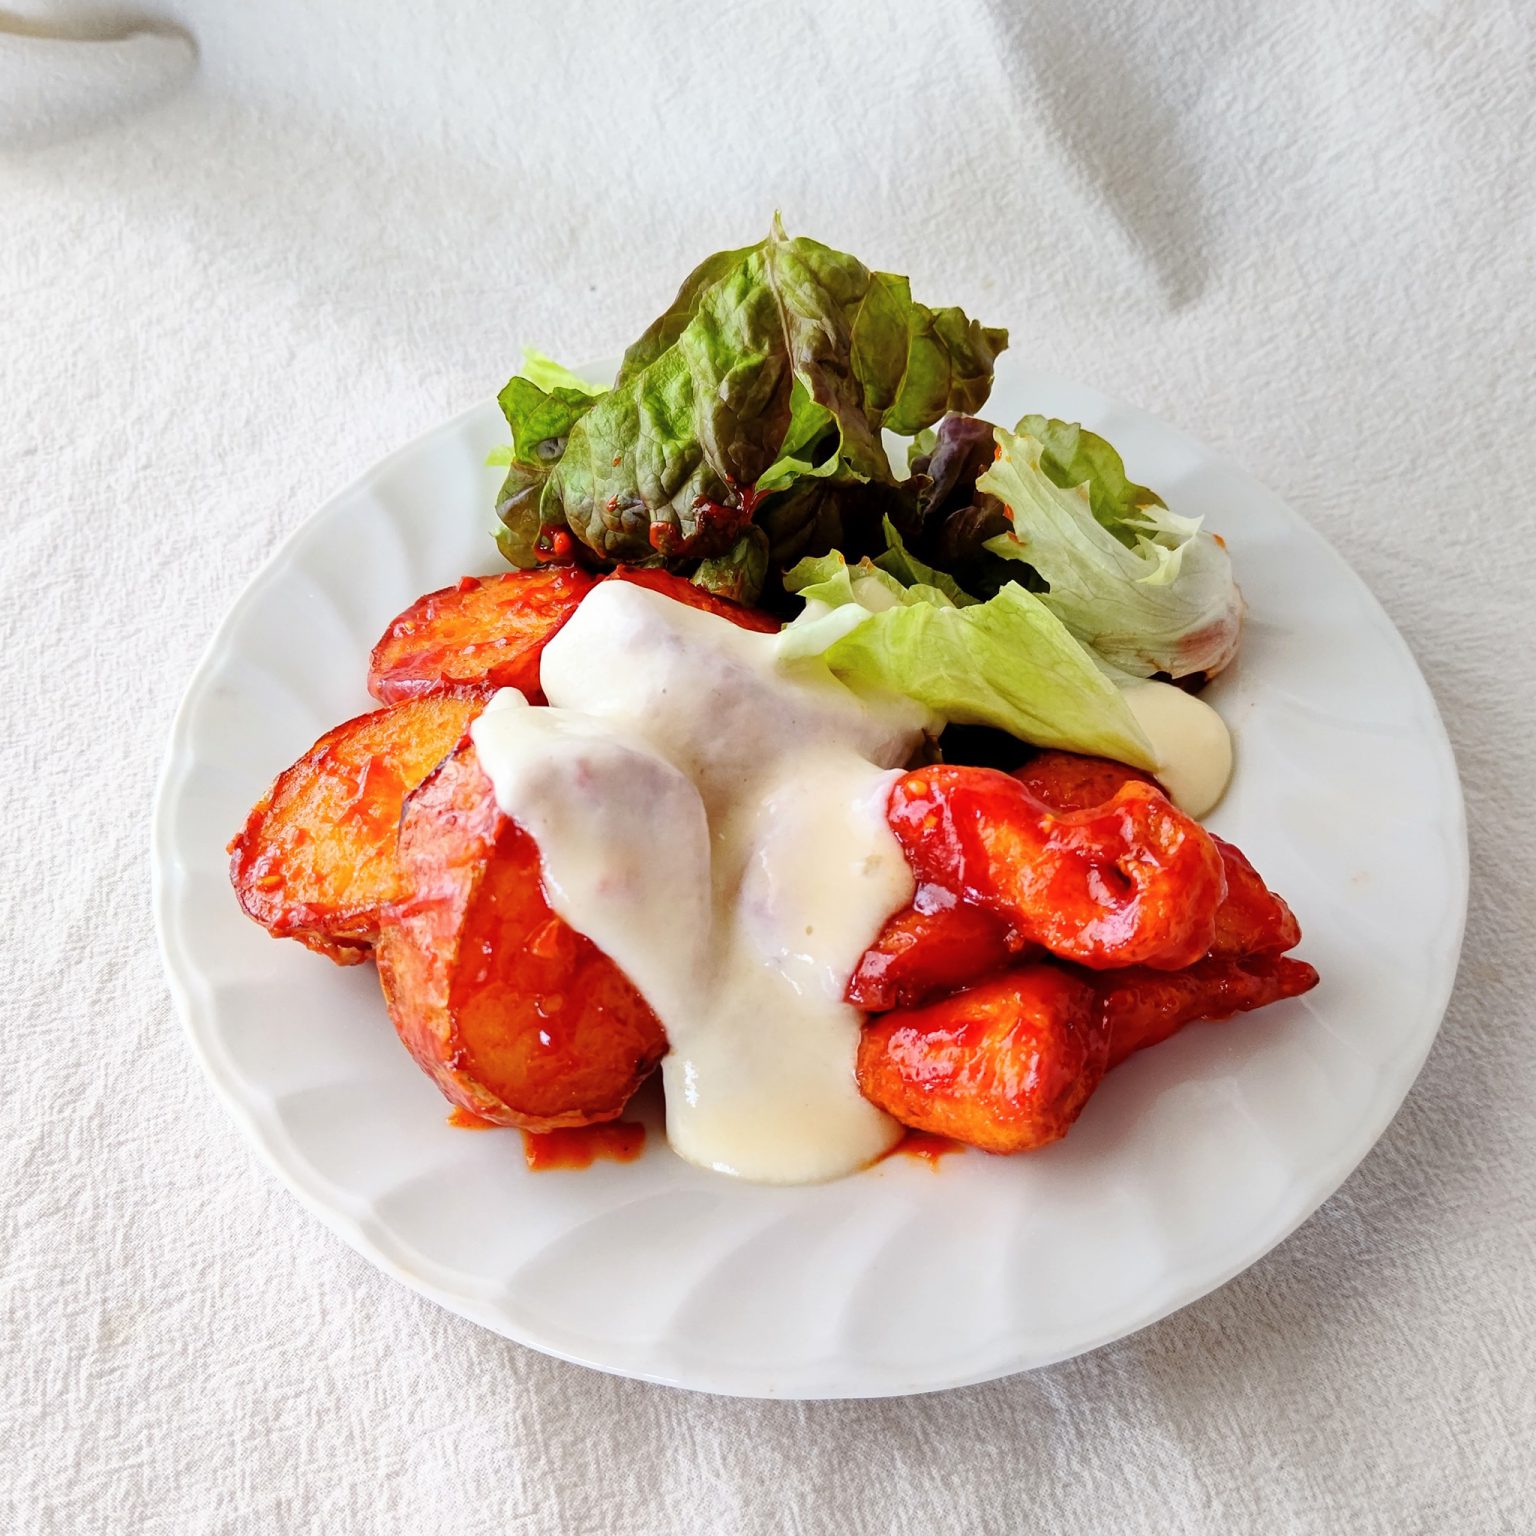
[243, 256]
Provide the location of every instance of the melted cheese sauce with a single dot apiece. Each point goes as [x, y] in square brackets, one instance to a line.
[1190, 741]
[711, 815]
[714, 821]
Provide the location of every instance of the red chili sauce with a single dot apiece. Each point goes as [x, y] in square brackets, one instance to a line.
[619, 1141]
[926, 1147]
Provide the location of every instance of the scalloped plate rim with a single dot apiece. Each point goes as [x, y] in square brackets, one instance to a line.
[1299, 1199]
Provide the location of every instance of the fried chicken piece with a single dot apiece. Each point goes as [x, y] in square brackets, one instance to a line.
[1132, 881]
[1142, 1007]
[934, 946]
[1006, 1065]
[1251, 920]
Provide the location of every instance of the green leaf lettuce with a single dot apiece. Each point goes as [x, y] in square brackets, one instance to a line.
[1071, 455]
[775, 362]
[541, 403]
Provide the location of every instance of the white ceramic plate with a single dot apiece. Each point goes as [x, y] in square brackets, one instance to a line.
[1190, 1162]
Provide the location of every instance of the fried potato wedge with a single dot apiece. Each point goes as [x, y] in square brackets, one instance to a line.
[1142, 1007]
[933, 947]
[486, 633]
[681, 590]
[518, 1018]
[1133, 881]
[315, 860]
[1006, 1065]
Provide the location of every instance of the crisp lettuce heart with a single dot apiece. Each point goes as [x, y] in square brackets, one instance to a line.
[1149, 591]
[901, 563]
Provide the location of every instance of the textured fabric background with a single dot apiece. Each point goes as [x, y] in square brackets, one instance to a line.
[246, 252]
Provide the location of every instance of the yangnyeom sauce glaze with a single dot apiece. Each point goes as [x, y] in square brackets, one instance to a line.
[715, 821]
[617, 1141]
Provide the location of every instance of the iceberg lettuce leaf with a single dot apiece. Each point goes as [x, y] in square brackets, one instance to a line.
[1149, 591]
[1008, 662]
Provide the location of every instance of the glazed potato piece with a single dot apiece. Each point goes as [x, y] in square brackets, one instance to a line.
[315, 860]
[681, 590]
[1005, 1066]
[517, 1017]
[1130, 882]
[1142, 1008]
[487, 632]
[933, 947]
